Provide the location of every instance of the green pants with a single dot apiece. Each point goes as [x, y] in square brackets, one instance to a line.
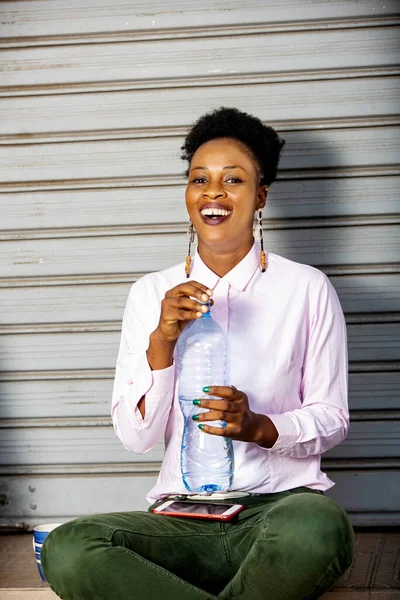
[291, 545]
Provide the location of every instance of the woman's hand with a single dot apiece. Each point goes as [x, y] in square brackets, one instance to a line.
[178, 308]
[241, 423]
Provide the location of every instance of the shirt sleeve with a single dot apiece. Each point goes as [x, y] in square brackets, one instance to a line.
[322, 421]
[134, 379]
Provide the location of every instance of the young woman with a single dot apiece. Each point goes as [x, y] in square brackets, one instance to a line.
[286, 406]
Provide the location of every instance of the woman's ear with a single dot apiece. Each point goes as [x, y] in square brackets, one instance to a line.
[262, 196]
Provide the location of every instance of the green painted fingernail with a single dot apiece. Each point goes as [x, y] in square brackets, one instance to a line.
[195, 417]
[201, 426]
[206, 389]
[196, 402]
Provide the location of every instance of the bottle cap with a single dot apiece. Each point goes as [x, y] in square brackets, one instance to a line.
[207, 315]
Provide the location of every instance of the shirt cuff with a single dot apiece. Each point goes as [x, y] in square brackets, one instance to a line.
[287, 433]
[162, 385]
[163, 381]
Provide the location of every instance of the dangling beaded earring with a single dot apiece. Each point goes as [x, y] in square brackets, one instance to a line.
[258, 234]
[190, 234]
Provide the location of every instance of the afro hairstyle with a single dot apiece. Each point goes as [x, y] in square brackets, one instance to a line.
[261, 140]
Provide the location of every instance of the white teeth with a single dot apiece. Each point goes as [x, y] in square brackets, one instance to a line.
[218, 212]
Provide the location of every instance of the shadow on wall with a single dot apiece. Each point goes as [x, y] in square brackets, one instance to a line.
[317, 214]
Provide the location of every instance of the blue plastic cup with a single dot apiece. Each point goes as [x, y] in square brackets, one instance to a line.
[40, 533]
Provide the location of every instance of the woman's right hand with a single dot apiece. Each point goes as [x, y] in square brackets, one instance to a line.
[178, 307]
[181, 304]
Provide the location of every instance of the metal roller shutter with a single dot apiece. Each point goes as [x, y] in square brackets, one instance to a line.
[94, 101]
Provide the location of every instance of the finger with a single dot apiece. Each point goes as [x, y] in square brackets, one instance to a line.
[223, 391]
[221, 431]
[181, 309]
[213, 415]
[189, 303]
[191, 288]
[182, 302]
[172, 314]
[220, 405]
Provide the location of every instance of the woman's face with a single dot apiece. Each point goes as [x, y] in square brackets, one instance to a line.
[222, 194]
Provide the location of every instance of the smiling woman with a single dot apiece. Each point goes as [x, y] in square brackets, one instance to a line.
[233, 158]
[286, 406]
[221, 198]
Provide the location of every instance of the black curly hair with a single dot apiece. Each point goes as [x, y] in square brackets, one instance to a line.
[262, 141]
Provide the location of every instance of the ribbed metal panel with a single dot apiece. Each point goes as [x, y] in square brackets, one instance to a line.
[94, 101]
[36, 494]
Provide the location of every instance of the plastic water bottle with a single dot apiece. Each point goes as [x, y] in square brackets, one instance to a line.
[207, 460]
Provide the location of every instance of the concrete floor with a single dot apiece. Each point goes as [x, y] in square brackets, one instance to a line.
[375, 574]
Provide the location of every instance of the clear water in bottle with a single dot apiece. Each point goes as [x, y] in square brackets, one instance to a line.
[207, 461]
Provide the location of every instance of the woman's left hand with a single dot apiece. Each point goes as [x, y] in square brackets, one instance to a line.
[241, 423]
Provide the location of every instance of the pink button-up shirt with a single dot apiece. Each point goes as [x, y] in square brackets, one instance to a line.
[288, 353]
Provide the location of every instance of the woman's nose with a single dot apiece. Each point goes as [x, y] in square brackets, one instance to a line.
[214, 190]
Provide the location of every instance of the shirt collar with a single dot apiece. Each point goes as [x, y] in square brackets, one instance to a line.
[238, 277]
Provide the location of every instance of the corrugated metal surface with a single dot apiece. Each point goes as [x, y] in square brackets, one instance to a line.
[94, 101]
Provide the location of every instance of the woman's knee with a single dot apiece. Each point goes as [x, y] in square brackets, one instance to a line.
[68, 549]
[315, 524]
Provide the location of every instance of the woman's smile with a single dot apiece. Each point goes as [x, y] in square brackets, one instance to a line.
[214, 213]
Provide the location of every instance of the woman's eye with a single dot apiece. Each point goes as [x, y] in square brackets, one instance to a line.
[202, 180]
